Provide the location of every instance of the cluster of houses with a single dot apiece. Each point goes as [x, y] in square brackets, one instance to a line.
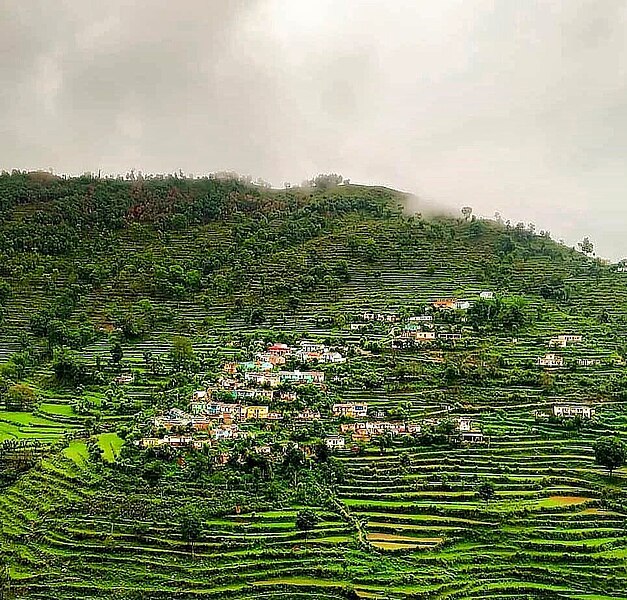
[304, 351]
[227, 412]
[466, 430]
[364, 431]
[367, 318]
[551, 360]
[457, 304]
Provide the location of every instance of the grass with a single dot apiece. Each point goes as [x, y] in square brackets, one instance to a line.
[111, 444]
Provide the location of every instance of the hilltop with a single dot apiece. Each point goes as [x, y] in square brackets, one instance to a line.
[413, 425]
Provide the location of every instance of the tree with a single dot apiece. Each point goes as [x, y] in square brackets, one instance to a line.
[467, 211]
[191, 530]
[486, 491]
[68, 367]
[586, 246]
[182, 353]
[117, 353]
[152, 472]
[5, 291]
[610, 452]
[306, 520]
[20, 397]
[325, 181]
[554, 289]
[256, 316]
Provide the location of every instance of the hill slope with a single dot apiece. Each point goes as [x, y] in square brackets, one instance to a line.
[92, 268]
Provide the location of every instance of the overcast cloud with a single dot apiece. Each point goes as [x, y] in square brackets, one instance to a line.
[516, 107]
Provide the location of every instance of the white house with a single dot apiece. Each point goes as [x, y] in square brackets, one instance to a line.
[332, 357]
[420, 318]
[573, 410]
[465, 424]
[561, 341]
[472, 437]
[424, 336]
[551, 360]
[486, 295]
[588, 362]
[270, 379]
[334, 442]
[350, 409]
[309, 346]
[300, 377]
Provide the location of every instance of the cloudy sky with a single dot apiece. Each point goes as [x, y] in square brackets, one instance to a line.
[516, 107]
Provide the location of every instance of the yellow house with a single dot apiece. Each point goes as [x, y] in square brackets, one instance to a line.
[256, 412]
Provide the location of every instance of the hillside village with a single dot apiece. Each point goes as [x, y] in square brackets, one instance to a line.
[260, 401]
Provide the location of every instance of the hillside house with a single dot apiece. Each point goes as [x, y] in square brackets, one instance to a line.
[450, 336]
[306, 356]
[462, 305]
[551, 360]
[353, 410]
[358, 326]
[309, 346]
[218, 410]
[472, 437]
[335, 442]
[285, 396]
[174, 441]
[421, 319]
[263, 379]
[588, 362]
[414, 333]
[332, 358]
[268, 357]
[227, 432]
[278, 349]
[244, 394]
[256, 412]
[201, 395]
[486, 295]
[367, 429]
[255, 365]
[445, 303]
[561, 341]
[173, 418]
[124, 379]
[316, 377]
[465, 424]
[381, 317]
[569, 411]
[222, 458]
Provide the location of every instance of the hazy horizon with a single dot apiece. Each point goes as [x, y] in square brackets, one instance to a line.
[515, 108]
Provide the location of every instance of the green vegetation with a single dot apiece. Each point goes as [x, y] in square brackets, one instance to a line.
[119, 299]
